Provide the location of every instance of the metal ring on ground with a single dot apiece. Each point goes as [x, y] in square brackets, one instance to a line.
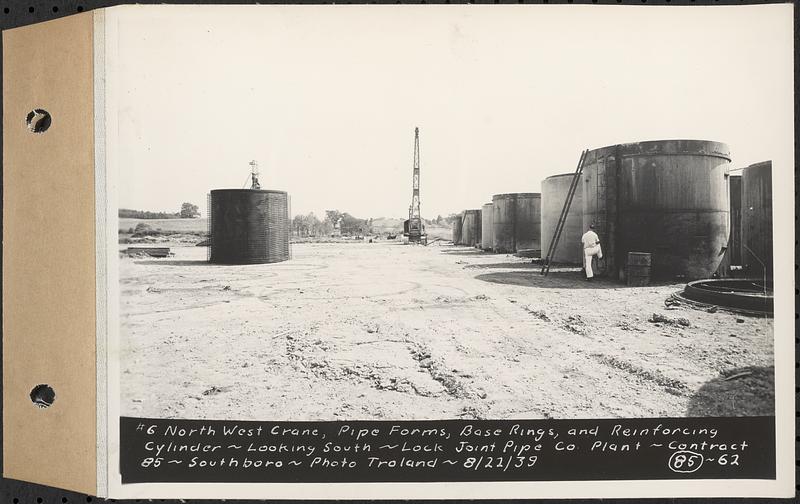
[753, 295]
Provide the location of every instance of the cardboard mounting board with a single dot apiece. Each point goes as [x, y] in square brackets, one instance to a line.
[49, 255]
[57, 306]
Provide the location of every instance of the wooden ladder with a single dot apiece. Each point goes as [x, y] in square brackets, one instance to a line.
[562, 219]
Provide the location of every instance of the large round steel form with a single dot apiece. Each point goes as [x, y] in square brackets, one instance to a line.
[735, 240]
[457, 221]
[753, 295]
[487, 234]
[554, 194]
[471, 228]
[757, 220]
[733, 254]
[516, 222]
[248, 226]
[668, 198]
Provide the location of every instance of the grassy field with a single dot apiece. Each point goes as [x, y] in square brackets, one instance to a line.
[443, 232]
[168, 225]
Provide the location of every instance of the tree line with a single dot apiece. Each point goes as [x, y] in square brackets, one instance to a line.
[188, 211]
[335, 222]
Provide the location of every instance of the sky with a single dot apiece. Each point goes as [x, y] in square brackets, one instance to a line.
[326, 98]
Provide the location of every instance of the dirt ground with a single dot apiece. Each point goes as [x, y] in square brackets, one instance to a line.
[392, 331]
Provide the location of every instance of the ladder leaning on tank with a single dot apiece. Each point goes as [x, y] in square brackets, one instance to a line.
[562, 219]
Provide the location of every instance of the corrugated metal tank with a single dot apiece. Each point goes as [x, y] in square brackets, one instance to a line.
[516, 222]
[248, 226]
[757, 220]
[457, 229]
[471, 228]
[735, 236]
[487, 235]
[554, 194]
[665, 197]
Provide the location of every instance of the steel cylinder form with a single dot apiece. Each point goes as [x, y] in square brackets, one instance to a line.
[471, 228]
[668, 198]
[457, 221]
[733, 254]
[517, 222]
[735, 236]
[248, 226]
[756, 251]
[554, 194]
[478, 227]
[487, 235]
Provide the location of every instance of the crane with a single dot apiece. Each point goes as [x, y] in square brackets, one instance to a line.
[414, 229]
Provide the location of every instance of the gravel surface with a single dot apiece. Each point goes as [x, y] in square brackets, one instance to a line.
[391, 331]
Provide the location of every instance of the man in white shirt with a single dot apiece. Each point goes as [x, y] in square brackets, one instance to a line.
[591, 248]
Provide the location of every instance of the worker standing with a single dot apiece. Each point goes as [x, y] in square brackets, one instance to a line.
[591, 248]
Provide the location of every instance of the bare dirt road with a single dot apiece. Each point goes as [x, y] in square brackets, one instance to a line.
[387, 331]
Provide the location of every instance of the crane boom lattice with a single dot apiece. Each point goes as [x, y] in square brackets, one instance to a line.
[416, 230]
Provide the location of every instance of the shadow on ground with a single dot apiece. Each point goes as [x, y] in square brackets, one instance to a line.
[748, 391]
[531, 277]
[509, 265]
[465, 252]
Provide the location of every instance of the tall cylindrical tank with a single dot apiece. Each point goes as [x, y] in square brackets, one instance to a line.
[503, 219]
[470, 228]
[248, 226]
[487, 235]
[479, 227]
[735, 236]
[457, 221]
[757, 220]
[733, 252]
[668, 198]
[554, 194]
[529, 223]
[516, 222]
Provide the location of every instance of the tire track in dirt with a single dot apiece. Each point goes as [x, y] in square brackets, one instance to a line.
[453, 385]
[301, 353]
[671, 385]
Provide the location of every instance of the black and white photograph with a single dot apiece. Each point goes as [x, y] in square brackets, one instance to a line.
[400, 251]
[546, 215]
